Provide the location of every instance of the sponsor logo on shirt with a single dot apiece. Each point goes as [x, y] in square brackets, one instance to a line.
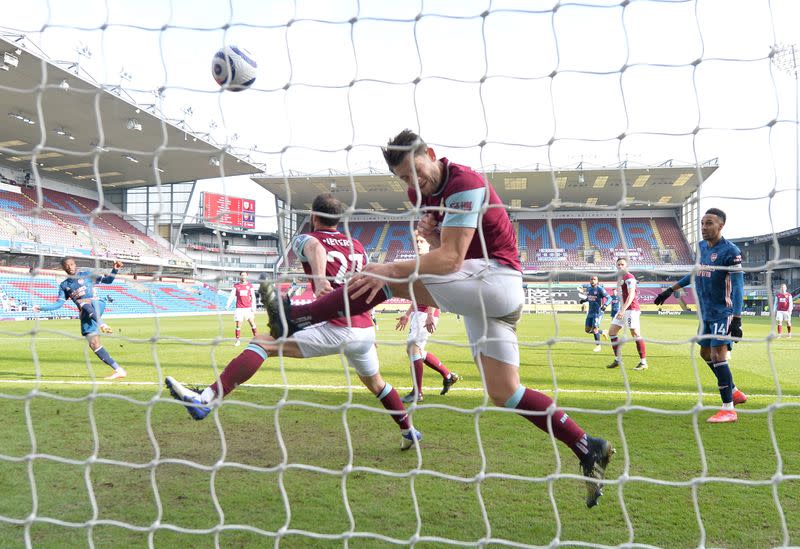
[463, 205]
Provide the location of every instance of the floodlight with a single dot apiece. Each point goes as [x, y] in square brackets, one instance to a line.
[10, 59]
[134, 124]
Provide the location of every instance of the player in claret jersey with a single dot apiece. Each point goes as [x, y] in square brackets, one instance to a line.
[326, 255]
[783, 310]
[597, 298]
[244, 293]
[472, 270]
[629, 315]
[719, 285]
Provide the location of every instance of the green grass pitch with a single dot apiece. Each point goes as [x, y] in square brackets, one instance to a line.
[298, 454]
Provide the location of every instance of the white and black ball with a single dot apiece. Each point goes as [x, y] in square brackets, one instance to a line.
[234, 68]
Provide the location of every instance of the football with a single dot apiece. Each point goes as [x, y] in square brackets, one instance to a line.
[234, 68]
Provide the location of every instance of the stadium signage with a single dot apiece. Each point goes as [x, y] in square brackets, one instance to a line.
[634, 254]
[228, 211]
[551, 254]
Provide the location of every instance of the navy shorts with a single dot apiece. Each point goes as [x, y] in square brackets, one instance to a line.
[593, 321]
[88, 325]
[717, 328]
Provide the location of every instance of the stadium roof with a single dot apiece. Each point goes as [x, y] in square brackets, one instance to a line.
[790, 237]
[72, 111]
[663, 186]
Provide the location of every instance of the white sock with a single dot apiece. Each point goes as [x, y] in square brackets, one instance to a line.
[727, 405]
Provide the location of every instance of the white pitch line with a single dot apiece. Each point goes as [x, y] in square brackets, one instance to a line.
[359, 387]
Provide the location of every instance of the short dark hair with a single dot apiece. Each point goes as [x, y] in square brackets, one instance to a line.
[403, 143]
[65, 259]
[327, 209]
[719, 213]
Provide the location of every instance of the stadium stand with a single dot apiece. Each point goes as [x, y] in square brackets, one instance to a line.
[673, 239]
[583, 243]
[67, 221]
[369, 233]
[127, 297]
[576, 243]
[397, 241]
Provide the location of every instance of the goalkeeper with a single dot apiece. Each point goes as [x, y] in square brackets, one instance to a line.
[719, 286]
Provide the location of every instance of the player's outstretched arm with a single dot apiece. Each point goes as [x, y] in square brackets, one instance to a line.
[317, 258]
[109, 278]
[50, 306]
[663, 296]
[430, 321]
[402, 320]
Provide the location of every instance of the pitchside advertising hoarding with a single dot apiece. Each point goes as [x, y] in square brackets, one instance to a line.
[229, 211]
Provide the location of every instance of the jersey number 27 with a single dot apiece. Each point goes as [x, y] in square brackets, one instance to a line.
[344, 264]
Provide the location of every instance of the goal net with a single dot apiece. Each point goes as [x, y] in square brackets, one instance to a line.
[606, 128]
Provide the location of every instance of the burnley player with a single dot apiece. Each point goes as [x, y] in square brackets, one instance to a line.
[422, 321]
[783, 310]
[326, 255]
[485, 288]
[597, 298]
[629, 315]
[245, 295]
[79, 288]
[719, 285]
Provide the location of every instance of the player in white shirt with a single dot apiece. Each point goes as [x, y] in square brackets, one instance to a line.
[422, 321]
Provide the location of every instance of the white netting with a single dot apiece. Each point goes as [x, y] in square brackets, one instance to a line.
[563, 89]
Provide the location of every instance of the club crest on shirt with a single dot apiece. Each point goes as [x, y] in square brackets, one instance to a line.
[713, 257]
[80, 281]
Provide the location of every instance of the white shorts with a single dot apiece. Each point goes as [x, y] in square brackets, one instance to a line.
[630, 319]
[358, 345]
[418, 334]
[489, 296]
[783, 316]
[240, 315]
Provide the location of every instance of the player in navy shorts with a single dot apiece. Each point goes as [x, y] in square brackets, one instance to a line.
[719, 285]
[597, 298]
[79, 288]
